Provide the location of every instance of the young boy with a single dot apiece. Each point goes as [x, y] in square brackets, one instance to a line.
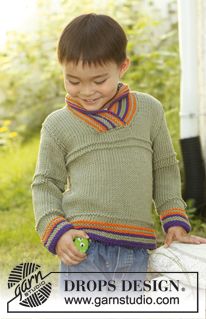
[114, 147]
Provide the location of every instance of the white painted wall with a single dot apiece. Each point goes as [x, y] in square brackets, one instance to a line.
[189, 92]
[192, 31]
[201, 14]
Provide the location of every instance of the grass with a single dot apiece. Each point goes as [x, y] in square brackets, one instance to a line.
[19, 241]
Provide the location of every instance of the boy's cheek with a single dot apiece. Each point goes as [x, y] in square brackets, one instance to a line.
[71, 91]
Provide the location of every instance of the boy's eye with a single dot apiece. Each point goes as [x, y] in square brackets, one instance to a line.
[73, 83]
[99, 82]
[96, 82]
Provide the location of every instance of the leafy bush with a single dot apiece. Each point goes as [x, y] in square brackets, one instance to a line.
[33, 81]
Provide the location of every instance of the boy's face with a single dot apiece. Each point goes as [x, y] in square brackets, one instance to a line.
[93, 86]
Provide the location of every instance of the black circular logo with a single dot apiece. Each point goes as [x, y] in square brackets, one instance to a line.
[30, 286]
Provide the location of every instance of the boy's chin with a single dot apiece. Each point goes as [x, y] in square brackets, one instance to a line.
[93, 106]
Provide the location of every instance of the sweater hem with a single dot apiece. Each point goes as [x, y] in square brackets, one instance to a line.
[122, 243]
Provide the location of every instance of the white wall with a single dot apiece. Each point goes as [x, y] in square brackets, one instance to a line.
[201, 9]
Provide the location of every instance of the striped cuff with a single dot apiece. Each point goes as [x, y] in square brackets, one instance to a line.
[54, 230]
[174, 217]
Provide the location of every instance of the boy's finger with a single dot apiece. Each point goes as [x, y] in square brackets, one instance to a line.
[74, 258]
[68, 260]
[80, 233]
[168, 240]
[190, 240]
[200, 239]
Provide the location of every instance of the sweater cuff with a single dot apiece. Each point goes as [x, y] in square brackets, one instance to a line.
[54, 230]
[174, 217]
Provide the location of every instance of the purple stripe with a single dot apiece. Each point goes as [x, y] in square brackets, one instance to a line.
[89, 113]
[63, 221]
[177, 215]
[115, 233]
[64, 229]
[113, 125]
[99, 122]
[96, 113]
[73, 106]
[173, 223]
[69, 103]
[82, 110]
[119, 108]
[93, 117]
[126, 109]
[123, 243]
[116, 116]
[118, 99]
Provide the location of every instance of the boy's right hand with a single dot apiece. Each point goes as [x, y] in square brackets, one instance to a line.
[66, 249]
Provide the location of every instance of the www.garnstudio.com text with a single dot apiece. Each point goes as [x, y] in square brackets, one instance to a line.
[127, 300]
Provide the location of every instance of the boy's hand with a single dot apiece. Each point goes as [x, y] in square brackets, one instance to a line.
[179, 234]
[66, 249]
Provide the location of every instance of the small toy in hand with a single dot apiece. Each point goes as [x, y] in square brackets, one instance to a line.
[82, 244]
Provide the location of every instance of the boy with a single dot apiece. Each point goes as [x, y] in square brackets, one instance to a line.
[114, 146]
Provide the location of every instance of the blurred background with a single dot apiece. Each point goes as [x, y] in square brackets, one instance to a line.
[31, 87]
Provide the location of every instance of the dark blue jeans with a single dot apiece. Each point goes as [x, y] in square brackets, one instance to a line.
[108, 263]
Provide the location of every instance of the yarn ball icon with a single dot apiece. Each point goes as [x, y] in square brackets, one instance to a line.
[29, 285]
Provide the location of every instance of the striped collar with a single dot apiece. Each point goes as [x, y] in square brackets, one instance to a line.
[117, 112]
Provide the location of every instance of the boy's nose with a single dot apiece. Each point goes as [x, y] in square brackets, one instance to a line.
[87, 91]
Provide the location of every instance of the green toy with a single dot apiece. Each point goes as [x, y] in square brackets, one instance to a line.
[82, 244]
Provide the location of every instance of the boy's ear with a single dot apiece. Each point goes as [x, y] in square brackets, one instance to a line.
[124, 66]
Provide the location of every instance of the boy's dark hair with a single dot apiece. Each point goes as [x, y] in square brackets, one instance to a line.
[94, 39]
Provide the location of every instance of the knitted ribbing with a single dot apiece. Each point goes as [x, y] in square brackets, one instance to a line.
[113, 178]
[118, 112]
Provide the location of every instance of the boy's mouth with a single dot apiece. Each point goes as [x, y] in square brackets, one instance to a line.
[90, 101]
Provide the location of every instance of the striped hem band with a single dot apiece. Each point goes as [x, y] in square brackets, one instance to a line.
[55, 229]
[175, 217]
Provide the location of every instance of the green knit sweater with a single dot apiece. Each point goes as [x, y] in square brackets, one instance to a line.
[104, 181]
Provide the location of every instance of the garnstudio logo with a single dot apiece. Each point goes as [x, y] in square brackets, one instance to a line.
[29, 285]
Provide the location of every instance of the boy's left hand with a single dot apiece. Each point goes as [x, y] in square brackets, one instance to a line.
[179, 234]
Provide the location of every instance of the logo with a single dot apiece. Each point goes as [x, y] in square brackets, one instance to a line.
[30, 286]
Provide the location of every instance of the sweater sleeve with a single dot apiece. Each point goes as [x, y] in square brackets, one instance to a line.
[48, 185]
[167, 181]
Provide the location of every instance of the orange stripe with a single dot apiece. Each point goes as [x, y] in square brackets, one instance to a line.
[124, 89]
[118, 122]
[171, 214]
[132, 108]
[176, 208]
[51, 226]
[112, 225]
[114, 108]
[70, 99]
[116, 231]
[88, 120]
[115, 119]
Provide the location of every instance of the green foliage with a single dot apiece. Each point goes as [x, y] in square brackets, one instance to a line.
[18, 240]
[8, 138]
[33, 81]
